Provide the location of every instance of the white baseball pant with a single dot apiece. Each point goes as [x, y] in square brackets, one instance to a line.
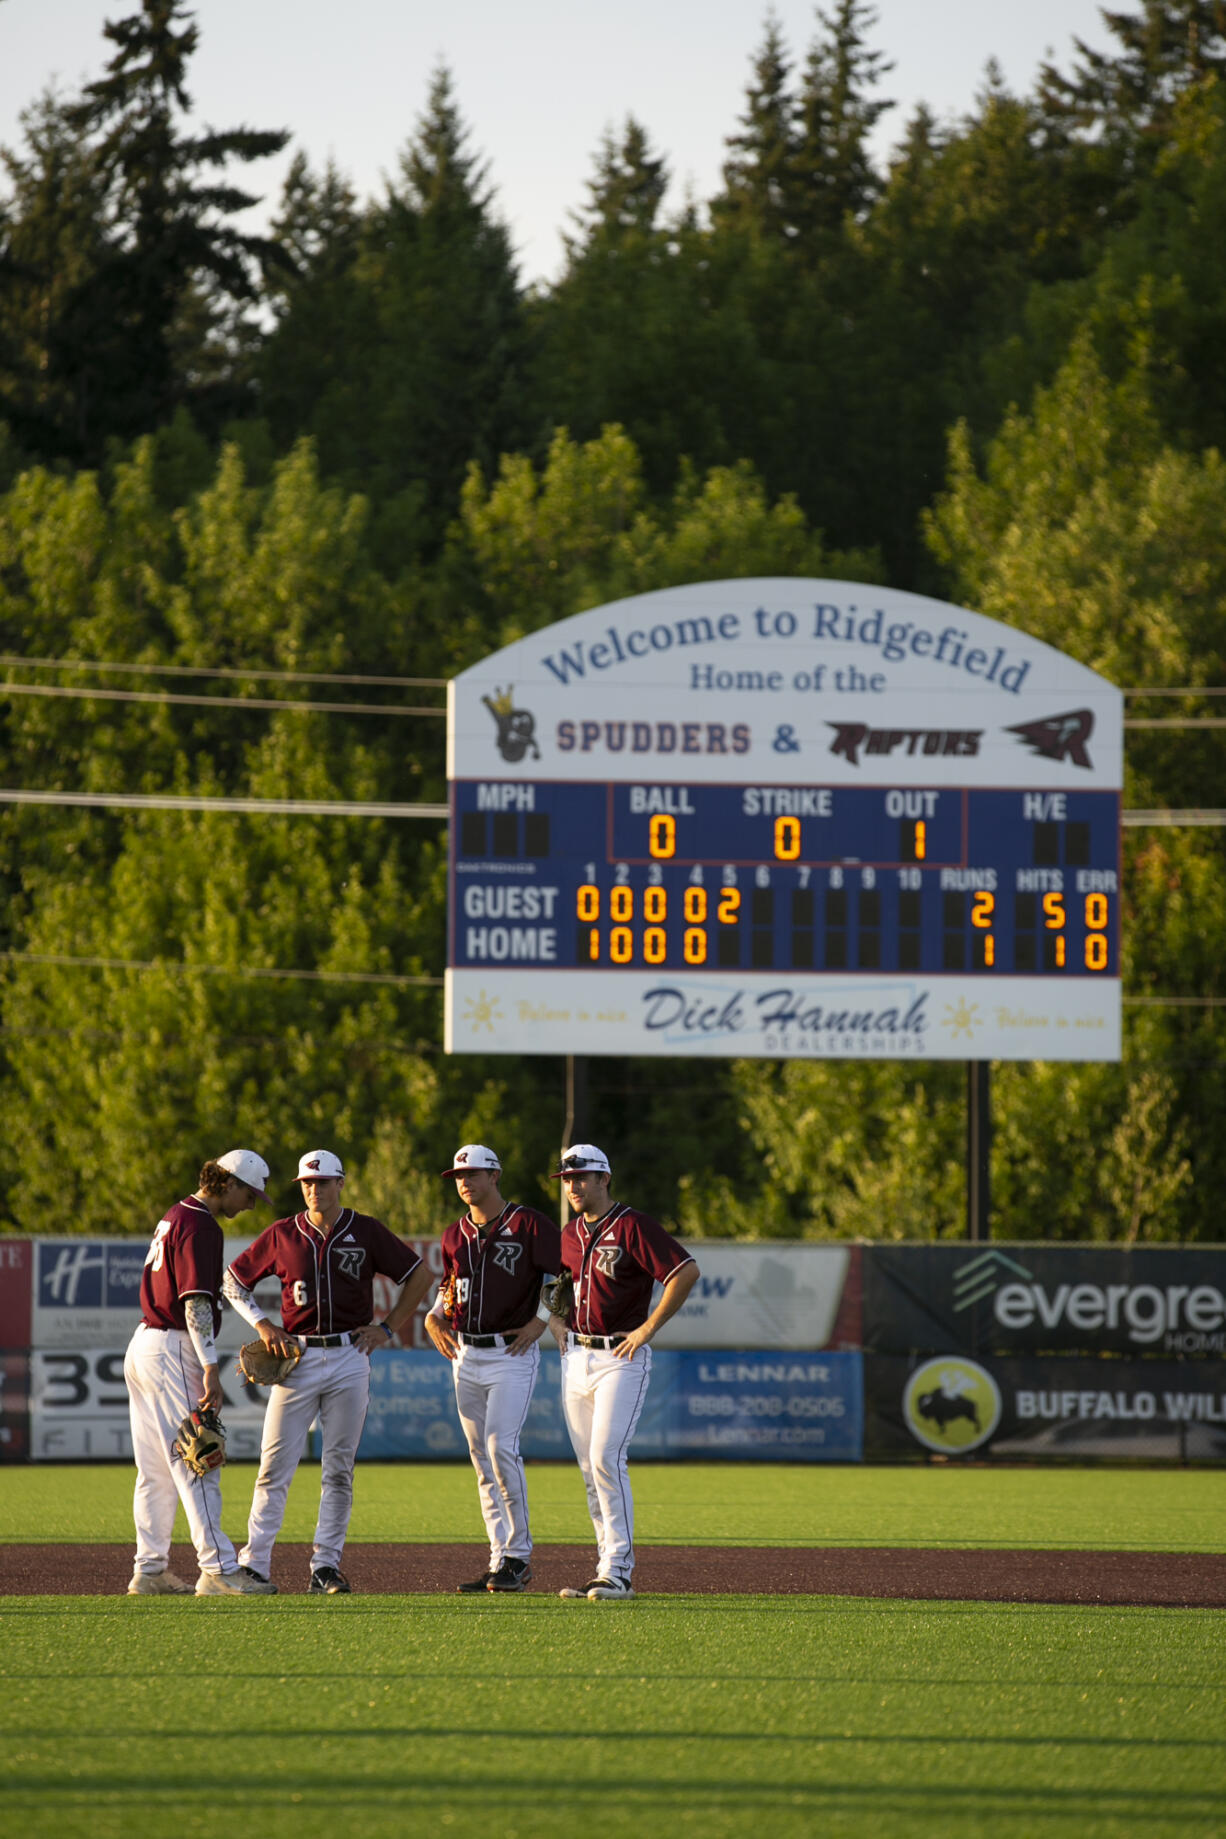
[164, 1379]
[602, 1397]
[333, 1384]
[493, 1390]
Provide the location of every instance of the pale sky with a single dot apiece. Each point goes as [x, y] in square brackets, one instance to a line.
[538, 82]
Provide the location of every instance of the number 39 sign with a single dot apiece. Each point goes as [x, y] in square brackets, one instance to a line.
[784, 817]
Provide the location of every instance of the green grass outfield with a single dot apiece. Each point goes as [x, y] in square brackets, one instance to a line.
[709, 1716]
[671, 1715]
[707, 1504]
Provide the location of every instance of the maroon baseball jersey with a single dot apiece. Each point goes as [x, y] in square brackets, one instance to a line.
[613, 1283]
[498, 1268]
[184, 1259]
[327, 1279]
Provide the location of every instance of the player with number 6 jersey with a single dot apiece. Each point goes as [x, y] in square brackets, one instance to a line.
[614, 1255]
[327, 1258]
[485, 1320]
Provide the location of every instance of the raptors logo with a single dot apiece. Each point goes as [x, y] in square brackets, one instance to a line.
[506, 1254]
[606, 1259]
[1059, 737]
[351, 1258]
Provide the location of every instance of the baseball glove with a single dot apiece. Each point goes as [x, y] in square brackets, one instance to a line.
[560, 1294]
[201, 1442]
[264, 1368]
[449, 1294]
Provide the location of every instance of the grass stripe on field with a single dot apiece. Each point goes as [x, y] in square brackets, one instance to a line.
[709, 1716]
[700, 1504]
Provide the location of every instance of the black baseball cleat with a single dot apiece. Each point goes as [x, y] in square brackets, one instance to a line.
[512, 1574]
[258, 1577]
[476, 1587]
[327, 1581]
[583, 1591]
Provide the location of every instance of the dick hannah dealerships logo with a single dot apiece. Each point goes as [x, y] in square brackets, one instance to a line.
[951, 1404]
[516, 735]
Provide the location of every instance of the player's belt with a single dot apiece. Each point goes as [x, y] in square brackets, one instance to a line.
[487, 1340]
[597, 1340]
[325, 1340]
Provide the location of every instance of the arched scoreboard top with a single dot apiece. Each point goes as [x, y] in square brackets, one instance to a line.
[787, 818]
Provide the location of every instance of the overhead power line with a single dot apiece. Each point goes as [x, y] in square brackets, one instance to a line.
[204, 670]
[178, 969]
[215, 702]
[1172, 820]
[274, 807]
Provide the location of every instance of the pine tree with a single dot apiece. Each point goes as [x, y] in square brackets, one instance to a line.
[172, 262]
[834, 174]
[1168, 47]
[625, 193]
[759, 172]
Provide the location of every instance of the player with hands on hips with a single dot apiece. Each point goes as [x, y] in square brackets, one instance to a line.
[614, 1255]
[485, 1320]
[171, 1370]
[327, 1258]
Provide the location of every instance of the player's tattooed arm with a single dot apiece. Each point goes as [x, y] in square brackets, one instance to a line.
[243, 1300]
[198, 1314]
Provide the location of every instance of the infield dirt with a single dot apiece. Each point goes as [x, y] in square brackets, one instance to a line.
[1177, 1580]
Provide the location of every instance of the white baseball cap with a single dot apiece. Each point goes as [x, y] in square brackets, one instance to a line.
[471, 1156]
[320, 1165]
[247, 1167]
[584, 1159]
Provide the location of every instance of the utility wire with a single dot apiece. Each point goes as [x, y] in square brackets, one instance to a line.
[282, 807]
[214, 702]
[178, 969]
[255, 676]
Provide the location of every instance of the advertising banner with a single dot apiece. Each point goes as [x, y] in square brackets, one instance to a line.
[1155, 1410]
[1027, 1298]
[770, 1294]
[79, 1407]
[740, 1405]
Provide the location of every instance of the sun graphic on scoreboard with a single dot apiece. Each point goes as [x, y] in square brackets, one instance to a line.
[962, 1017]
[482, 1011]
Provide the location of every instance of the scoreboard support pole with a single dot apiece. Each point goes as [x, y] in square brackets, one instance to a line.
[978, 1149]
[575, 1126]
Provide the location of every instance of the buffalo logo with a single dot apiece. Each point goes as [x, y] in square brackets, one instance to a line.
[606, 1259]
[506, 1254]
[1059, 737]
[951, 1404]
[850, 737]
[516, 728]
[351, 1259]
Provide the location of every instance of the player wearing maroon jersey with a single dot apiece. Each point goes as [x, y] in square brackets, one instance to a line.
[171, 1369]
[326, 1258]
[614, 1255]
[494, 1258]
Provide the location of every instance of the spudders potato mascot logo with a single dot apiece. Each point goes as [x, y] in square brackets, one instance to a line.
[951, 1405]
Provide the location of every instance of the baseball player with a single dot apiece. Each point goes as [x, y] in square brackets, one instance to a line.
[493, 1262]
[171, 1369]
[326, 1258]
[614, 1255]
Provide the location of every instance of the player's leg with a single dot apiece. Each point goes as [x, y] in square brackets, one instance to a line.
[343, 1402]
[473, 1387]
[182, 1380]
[291, 1409]
[578, 1404]
[620, 1389]
[155, 1497]
[506, 1411]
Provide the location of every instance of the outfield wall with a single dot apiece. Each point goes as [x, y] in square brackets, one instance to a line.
[783, 1352]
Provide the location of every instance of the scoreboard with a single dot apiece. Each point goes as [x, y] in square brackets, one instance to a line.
[884, 871]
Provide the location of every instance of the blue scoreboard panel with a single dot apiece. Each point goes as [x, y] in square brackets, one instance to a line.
[789, 879]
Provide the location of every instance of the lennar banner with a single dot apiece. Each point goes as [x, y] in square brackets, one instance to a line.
[783, 818]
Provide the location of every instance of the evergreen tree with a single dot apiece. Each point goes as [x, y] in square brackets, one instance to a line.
[759, 171]
[1170, 46]
[625, 193]
[133, 335]
[833, 172]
